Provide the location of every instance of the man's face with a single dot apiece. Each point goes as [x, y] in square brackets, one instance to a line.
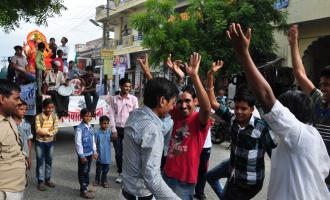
[9, 104]
[166, 106]
[243, 111]
[70, 65]
[18, 52]
[51, 41]
[186, 104]
[63, 41]
[325, 88]
[125, 88]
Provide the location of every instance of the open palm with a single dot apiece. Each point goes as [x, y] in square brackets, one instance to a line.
[216, 66]
[195, 60]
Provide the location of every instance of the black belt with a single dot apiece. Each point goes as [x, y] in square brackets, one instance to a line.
[129, 196]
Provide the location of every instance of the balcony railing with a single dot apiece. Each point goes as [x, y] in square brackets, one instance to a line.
[125, 42]
[116, 8]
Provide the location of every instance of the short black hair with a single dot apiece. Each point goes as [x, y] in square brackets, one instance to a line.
[66, 39]
[7, 87]
[190, 89]
[299, 104]
[23, 102]
[90, 68]
[71, 61]
[122, 81]
[325, 72]
[41, 45]
[46, 102]
[59, 51]
[244, 94]
[52, 39]
[104, 118]
[84, 111]
[157, 88]
[18, 47]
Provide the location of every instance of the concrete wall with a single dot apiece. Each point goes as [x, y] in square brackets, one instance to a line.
[306, 10]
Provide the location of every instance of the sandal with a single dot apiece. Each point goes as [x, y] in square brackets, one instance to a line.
[96, 183]
[87, 195]
[105, 185]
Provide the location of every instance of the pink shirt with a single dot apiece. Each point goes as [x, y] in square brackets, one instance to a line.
[121, 107]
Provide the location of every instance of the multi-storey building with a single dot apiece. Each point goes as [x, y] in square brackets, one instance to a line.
[126, 44]
[313, 18]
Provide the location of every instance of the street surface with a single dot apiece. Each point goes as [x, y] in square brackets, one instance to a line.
[65, 173]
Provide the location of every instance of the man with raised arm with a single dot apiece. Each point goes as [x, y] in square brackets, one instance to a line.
[300, 163]
[188, 135]
[320, 97]
[250, 139]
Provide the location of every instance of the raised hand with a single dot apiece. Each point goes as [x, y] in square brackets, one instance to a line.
[216, 66]
[195, 60]
[144, 62]
[293, 35]
[238, 39]
[175, 66]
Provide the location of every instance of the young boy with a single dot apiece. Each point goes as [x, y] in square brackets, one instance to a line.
[250, 138]
[89, 82]
[103, 140]
[46, 128]
[86, 150]
[24, 130]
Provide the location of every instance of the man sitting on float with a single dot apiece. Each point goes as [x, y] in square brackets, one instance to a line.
[55, 87]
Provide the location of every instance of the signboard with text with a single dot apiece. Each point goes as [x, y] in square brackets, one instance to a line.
[76, 104]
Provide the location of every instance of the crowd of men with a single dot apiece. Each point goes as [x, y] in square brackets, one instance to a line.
[160, 147]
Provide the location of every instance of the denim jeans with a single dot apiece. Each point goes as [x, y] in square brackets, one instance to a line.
[91, 106]
[214, 175]
[202, 169]
[83, 173]
[118, 146]
[44, 154]
[184, 190]
[101, 172]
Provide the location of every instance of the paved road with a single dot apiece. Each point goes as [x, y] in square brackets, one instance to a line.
[65, 173]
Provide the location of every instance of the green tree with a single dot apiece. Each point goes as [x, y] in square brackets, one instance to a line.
[204, 30]
[12, 12]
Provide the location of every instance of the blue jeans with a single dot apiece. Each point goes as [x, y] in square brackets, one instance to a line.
[184, 190]
[101, 172]
[214, 175]
[83, 173]
[44, 154]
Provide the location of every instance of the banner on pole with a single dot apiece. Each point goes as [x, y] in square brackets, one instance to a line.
[76, 104]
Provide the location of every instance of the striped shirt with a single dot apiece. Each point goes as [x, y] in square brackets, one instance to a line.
[322, 119]
[43, 124]
[248, 148]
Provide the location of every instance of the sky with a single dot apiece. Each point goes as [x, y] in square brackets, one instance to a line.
[73, 24]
